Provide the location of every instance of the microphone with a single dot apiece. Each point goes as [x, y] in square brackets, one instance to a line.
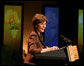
[66, 40]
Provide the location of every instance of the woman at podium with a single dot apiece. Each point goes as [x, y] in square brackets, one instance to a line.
[35, 42]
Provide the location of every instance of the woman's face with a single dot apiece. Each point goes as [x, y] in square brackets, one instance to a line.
[41, 26]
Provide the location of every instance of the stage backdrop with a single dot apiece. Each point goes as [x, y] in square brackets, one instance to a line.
[12, 34]
[12, 25]
[80, 30]
[51, 31]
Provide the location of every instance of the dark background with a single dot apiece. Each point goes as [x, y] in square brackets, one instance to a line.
[68, 21]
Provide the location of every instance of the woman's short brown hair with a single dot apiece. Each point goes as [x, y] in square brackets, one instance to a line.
[38, 18]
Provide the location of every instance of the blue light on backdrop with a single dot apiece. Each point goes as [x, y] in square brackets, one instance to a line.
[51, 31]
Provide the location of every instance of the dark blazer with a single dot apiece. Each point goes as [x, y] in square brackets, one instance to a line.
[34, 45]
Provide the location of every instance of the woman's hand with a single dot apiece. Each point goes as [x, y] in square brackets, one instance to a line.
[52, 48]
[49, 49]
[55, 48]
[46, 49]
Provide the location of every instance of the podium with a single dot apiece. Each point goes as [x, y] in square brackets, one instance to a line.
[58, 57]
[52, 55]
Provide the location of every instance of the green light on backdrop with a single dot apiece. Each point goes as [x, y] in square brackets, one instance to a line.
[12, 24]
[80, 29]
